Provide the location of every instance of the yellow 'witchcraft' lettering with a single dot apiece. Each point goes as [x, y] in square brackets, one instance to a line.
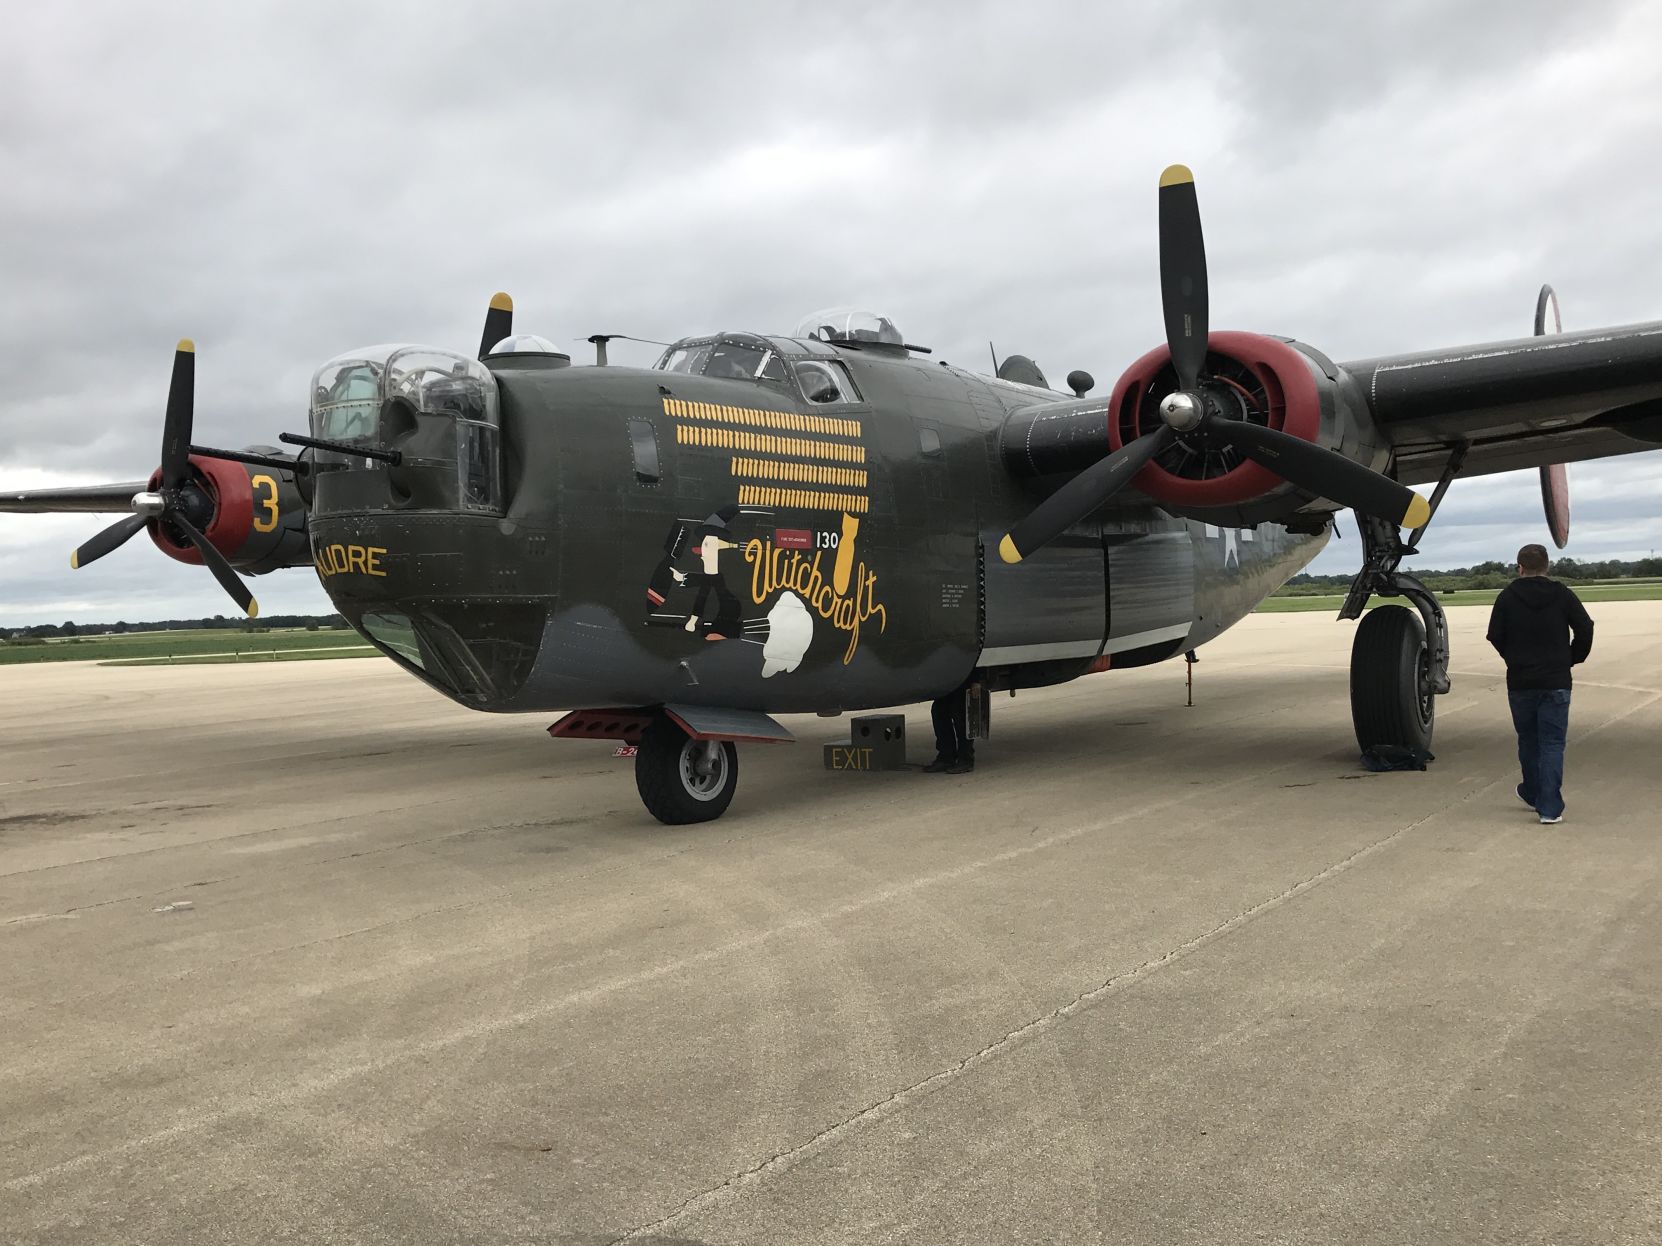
[773, 569]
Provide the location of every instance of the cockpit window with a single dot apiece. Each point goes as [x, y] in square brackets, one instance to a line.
[745, 363]
[752, 359]
[690, 358]
[825, 382]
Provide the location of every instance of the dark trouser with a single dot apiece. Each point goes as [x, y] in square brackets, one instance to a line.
[1542, 717]
[951, 717]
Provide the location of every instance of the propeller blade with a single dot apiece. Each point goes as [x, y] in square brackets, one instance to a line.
[111, 538]
[1324, 472]
[499, 322]
[181, 402]
[228, 579]
[89, 499]
[1080, 496]
[1183, 274]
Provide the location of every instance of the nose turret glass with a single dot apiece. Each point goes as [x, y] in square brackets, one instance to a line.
[435, 409]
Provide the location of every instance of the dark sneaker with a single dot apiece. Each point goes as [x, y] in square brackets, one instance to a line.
[1522, 797]
[1550, 821]
[962, 765]
[939, 766]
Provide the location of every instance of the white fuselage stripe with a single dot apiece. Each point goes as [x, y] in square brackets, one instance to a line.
[1004, 655]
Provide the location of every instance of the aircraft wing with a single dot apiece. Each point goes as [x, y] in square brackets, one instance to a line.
[93, 499]
[1529, 402]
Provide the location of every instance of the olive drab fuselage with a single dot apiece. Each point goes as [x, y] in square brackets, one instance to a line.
[664, 537]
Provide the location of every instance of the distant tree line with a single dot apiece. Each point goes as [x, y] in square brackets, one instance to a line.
[44, 631]
[1489, 575]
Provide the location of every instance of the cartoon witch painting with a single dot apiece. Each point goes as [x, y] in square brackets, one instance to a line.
[688, 591]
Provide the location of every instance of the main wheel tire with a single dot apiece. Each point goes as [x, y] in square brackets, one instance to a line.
[683, 780]
[1391, 701]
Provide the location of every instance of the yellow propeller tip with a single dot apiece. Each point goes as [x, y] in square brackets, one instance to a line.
[1176, 175]
[186, 345]
[1418, 513]
[75, 560]
[253, 609]
[1007, 550]
[501, 302]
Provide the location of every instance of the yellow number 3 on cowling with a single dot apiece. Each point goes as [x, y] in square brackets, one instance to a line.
[267, 523]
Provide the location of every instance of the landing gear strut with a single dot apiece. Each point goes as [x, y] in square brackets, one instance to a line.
[1399, 659]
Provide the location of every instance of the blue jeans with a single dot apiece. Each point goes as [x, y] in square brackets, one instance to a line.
[1542, 717]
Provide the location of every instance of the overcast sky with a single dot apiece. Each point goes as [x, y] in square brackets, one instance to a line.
[284, 182]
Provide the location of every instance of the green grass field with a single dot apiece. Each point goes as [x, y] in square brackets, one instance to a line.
[151, 648]
[1610, 590]
[146, 648]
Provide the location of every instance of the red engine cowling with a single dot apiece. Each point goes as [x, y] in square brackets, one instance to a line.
[1252, 377]
[259, 516]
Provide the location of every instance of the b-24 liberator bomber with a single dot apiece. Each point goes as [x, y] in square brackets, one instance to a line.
[832, 520]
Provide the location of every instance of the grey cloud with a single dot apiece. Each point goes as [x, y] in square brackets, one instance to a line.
[284, 181]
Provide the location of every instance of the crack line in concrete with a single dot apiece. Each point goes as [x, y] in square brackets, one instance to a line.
[300, 1090]
[485, 1026]
[784, 1160]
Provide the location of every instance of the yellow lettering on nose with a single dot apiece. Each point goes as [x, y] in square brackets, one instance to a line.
[335, 559]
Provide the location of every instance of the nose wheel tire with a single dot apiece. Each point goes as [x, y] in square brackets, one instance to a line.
[682, 780]
[1391, 698]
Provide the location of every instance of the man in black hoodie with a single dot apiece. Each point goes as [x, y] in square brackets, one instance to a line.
[1541, 629]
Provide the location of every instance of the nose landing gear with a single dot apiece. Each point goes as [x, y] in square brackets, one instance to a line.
[686, 759]
[681, 779]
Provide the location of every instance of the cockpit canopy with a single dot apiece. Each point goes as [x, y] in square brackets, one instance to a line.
[808, 366]
[739, 356]
[849, 324]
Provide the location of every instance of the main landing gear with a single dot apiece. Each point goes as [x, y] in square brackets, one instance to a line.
[1399, 659]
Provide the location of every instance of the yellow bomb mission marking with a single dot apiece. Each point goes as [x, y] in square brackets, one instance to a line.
[339, 559]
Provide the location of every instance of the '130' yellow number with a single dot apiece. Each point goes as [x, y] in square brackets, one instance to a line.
[268, 522]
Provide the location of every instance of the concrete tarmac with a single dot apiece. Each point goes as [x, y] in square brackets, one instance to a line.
[302, 952]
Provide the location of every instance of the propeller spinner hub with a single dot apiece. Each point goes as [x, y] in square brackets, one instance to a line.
[1182, 412]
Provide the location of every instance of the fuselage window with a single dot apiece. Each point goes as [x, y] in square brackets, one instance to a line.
[643, 443]
[395, 633]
